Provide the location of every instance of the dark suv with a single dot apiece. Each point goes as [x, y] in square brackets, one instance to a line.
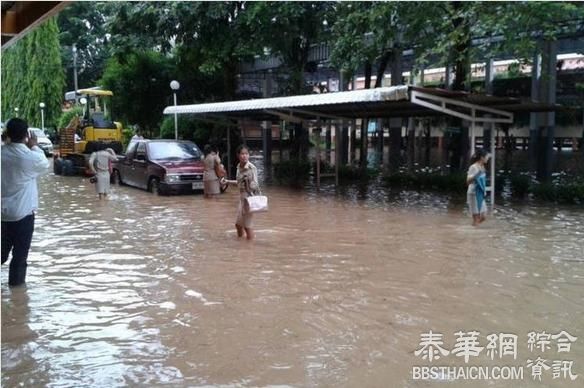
[161, 166]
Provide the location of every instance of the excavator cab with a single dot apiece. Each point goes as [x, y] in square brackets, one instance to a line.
[97, 129]
[93, 131]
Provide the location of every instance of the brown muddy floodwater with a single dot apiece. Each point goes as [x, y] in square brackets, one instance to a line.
[336, 291]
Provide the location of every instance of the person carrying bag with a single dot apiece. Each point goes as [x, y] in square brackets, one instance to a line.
[256, 203]
[250, 199]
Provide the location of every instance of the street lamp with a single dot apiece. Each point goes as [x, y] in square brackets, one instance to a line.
[16, 112]
[75, 71]
[42, 106]
[174, 85]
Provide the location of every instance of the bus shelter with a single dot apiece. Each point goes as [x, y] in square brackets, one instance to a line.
[400, 101]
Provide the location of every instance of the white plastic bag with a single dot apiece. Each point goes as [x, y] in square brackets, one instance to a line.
[256, 204]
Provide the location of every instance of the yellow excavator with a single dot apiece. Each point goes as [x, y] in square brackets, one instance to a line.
[93, 131]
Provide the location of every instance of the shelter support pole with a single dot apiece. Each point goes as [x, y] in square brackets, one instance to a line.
[267, 143]
[317, 134]
[344, 142]
[493, 161]
[338, 142]
[548, 96]
[395, 132]
[282, 130]
[352, 140]
[411, 143]
[328, 141]
[229, 152]
[472, 135]
[380, 133]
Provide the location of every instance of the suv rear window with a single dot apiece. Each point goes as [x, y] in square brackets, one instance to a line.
[170, 150]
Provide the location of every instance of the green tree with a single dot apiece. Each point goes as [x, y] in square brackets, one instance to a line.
[373, 36]
[140, 87]
[288, 30]
[204, 41]
[85, 24]
[207, 41]
[466, 31]
[512, 27]
[32, 73]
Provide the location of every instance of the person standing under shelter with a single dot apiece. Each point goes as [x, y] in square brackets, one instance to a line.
[22, 163]
[476, 181]
[100, 165]
[210, 178]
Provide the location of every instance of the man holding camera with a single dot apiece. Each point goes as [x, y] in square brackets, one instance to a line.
[22, 163]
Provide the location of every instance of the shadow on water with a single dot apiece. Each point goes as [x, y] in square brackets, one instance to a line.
[336, 289]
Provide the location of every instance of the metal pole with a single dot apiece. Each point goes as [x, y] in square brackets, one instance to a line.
[175, 120]
[75, 72]
[318, 165]
[318, 131]
[337, 152]
[493, 152]
[229, 152]
[472, 135]
[43, 119]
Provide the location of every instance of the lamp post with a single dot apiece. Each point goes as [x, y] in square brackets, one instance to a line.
[16, 112]
[174, 85]
[42, 106]
[75, 71]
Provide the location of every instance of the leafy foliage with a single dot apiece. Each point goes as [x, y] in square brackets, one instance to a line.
[67, 116]
[206, 40]
[85, 25]
[32, 73]
[287, 30]
[431, 181]
[292, 172]
[140, 87]
[571, 193]
[368, 31]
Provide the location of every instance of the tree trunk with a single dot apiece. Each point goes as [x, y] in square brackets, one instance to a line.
[548, 96]
[230, 80]
[383, 61]
[461, 60]
[395, 124]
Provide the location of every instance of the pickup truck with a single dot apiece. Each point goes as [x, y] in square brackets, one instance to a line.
[161, 166]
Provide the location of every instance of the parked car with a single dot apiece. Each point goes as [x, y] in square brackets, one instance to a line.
[44, 142]
[161, 166]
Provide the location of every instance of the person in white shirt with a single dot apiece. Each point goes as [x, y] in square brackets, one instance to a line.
[100, 163]
[22, 163]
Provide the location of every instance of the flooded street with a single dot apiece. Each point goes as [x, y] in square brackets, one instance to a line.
[335, 291]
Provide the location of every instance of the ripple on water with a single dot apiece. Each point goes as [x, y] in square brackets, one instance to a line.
[142, 290]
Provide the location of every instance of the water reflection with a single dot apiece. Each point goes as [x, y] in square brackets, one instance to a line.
[147, 291]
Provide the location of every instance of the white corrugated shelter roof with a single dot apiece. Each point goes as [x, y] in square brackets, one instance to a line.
[393, 93]
[386, 102]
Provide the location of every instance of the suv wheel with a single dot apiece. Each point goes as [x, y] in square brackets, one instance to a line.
[116, 178]
[154, 186]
